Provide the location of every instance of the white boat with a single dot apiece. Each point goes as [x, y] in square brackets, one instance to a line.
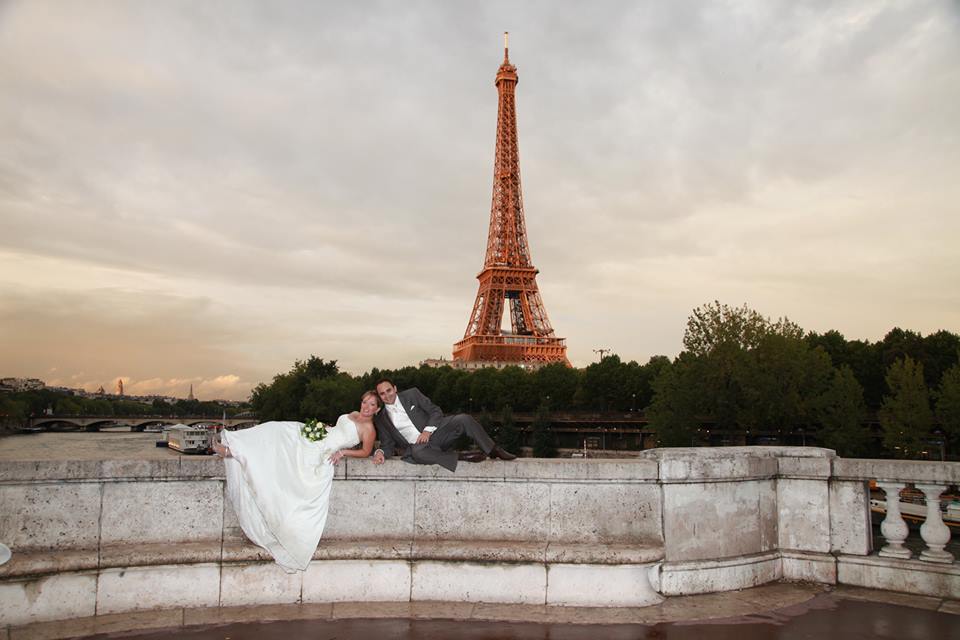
[187, 439]
[915, 511]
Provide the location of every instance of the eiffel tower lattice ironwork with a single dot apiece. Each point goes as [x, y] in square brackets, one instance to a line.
[508, 272]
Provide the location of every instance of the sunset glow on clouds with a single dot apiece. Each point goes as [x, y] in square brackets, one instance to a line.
[205, 192]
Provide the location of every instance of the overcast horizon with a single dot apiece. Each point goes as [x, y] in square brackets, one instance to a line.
[203, 193]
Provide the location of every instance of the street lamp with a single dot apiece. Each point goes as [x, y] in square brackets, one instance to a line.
[633, 402]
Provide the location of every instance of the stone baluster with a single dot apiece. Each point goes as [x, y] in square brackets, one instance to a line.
[893, 528]
[934, 532]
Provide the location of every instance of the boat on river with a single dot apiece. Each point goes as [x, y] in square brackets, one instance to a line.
[914, 509]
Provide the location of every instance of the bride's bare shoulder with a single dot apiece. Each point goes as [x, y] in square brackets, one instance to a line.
[354, 415]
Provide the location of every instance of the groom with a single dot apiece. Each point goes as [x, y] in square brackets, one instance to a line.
[411, 421]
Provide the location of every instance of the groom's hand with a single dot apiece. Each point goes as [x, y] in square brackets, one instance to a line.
[424, 437]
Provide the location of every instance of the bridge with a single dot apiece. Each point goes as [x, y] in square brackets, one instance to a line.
[135, 423]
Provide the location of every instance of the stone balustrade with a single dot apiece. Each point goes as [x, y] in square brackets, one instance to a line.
[107, 536]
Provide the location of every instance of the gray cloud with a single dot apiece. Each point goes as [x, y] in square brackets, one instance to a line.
[332, 159]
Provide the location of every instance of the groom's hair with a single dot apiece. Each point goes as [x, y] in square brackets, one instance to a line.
[382, 380]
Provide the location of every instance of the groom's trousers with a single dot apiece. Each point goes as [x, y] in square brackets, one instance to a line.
[437, 449]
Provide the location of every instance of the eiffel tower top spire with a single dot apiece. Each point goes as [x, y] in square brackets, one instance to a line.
[507, 238]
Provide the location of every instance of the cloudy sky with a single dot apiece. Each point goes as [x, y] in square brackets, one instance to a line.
[204, 192]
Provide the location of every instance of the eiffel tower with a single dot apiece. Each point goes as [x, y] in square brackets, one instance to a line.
[508, 273]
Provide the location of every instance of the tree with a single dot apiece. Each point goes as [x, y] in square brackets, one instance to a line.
[905, 413]
[715, 325]
[840, 412]
[672, 413]
[542, 437]
[779, 381]
[558, 382]
[508, 435]
[280, 400]
[948, 407]
[327, 398]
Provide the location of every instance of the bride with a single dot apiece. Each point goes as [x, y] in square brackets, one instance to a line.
[279, 481]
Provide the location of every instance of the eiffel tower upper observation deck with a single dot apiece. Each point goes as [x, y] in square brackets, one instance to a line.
[508, 272]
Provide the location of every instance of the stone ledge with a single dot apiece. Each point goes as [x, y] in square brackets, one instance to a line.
[897, 470]
[41, 562]
[893, 574]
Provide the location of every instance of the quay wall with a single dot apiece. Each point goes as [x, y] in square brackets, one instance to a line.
[93, 537]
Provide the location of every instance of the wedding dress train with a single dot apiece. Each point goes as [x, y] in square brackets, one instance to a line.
[279, 485]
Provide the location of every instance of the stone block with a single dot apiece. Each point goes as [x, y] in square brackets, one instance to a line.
[718, 520]
[612, 470]
[357, 581]
[44, 562]
[479, 550]
[140, 555]
[585, 585]
[166, 512]
[603, 554]
[195, 467]
[481, 510]
[907, 576]
[47, 516]
[809, 468]
[709, 576]
[34, 470]
[850, 525]
[605, 513]
[158, 587]
[809, 567]
[804, 515]
[363, 509]
[258, 583]
[353, 549]
[139, 469]
[698, 464]
[471, 582]
[925, 471]
[56, 597]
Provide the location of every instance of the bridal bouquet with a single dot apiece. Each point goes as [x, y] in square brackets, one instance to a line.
[314, 430]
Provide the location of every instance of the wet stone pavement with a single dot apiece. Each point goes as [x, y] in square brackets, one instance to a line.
[852, 616]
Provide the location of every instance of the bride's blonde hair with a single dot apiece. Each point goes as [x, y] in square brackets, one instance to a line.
[376, 396]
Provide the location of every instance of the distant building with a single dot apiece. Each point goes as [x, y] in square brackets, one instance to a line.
[22, 384]
[472, 365]
[190, 397]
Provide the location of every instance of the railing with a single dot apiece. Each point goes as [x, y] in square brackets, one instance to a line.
[934, 532]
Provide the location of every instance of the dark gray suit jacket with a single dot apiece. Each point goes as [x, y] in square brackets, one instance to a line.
[422, 413]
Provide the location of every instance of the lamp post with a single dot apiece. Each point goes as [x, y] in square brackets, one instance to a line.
[633, 402]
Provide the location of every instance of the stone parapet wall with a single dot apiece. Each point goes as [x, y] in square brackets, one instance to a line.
[104, 536]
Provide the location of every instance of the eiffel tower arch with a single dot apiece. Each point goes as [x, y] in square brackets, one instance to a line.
[508, 279]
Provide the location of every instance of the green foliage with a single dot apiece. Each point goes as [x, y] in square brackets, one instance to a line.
[673, 413]
[840, 411]
[281, 399]
[948, 407]
[543, 441]
[718, 326]
[558, 382]
[508, 435]
[905, 414]
[328, 397]
[780, 381]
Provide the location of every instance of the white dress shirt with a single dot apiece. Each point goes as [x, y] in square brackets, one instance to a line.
[402, 421]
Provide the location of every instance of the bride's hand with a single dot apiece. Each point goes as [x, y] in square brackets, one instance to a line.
[335, 457]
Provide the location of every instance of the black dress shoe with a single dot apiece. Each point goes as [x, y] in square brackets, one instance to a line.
[500, 452]
[472, 456]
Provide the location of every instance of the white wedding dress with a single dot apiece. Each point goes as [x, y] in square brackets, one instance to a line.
[279, 485]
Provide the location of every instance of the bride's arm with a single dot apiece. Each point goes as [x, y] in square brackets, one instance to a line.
[366, 446]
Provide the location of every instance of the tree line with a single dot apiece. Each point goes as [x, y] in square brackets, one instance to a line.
[739, 372]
